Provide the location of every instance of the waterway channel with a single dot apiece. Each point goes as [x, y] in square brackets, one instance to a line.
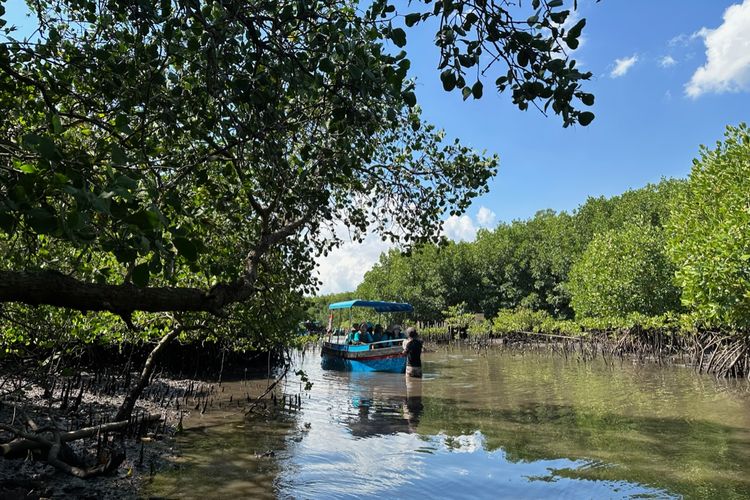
[488, 424]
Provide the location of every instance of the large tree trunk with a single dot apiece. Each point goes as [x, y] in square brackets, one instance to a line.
[56, 289]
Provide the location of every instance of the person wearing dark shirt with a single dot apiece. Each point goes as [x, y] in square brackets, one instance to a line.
[413, 351]
[380, 335]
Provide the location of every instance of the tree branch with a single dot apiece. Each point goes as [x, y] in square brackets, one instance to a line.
[56, 289]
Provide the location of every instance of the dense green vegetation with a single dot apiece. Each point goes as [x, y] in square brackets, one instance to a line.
[549, 263]
[172, 169]
[673, 256]
[710, 233]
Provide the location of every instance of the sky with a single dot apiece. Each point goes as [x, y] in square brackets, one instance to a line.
[668, 77]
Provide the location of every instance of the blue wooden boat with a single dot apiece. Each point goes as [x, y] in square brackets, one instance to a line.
[384, 356]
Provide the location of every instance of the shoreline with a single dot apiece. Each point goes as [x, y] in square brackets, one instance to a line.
[148, 446]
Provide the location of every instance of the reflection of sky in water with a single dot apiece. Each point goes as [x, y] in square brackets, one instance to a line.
[500, 426]
[408, 465]
[363, 443]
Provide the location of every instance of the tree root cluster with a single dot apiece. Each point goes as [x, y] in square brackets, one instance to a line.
[720, 354]
[51, 444]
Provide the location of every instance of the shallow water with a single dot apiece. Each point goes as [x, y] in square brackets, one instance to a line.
[479, 425]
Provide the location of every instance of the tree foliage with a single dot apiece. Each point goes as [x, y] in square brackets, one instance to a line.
[525, 264]
[190, 157]
[624, 271]
[709, 232]
[202, 148]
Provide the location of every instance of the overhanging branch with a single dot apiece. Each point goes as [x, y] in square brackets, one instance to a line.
[56, 289]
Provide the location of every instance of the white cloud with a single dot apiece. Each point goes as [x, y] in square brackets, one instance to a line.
[684, 40]
[486, 217]
[727, 67]
[681, 39]
[460, 228]
[667, 61]
[622, 66]
[343, 269]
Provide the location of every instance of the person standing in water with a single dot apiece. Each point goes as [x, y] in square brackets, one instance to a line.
[413, 351]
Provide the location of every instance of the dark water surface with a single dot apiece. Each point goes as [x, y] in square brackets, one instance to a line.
[479, 425]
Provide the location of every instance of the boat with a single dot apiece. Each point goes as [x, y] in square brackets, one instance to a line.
[383, 356]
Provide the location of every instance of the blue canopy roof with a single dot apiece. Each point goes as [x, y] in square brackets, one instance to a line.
[379, 306]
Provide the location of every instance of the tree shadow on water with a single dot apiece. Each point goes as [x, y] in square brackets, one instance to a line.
[694, 458]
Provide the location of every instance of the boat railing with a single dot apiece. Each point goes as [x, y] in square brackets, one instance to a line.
[386, 343]
[373, 345]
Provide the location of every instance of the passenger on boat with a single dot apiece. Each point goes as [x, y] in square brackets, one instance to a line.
[394, 333]
[380, 335]
[364, 336]
[397, 333]
[413, 351]
[353, 335]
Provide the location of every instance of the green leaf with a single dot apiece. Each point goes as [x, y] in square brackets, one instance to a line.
[559, 17]
[27, 168]
[585, 118]
[186, 248]
[572, 42]
[399, 37]
[42, 221]
[554, 3]
[412, 19]
[144, 219]
[448, 79]
[140, 275]
[56, 124]
[576, 30]
[466, 92]
[42, 145]
[587, 99]
[326, 65]
[119, 157]
[410, 99]
[121, 123]
[126, 182]
[476, 90]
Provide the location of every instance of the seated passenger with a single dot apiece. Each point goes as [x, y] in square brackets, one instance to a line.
[397, 334]
[364, 336]
[352, 336]
[379, 335]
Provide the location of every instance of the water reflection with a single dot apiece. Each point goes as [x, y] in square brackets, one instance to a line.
[386, 410]
[484, 426]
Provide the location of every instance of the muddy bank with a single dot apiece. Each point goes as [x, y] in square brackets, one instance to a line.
[84, 401]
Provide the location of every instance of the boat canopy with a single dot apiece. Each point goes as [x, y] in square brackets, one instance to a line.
[379, 306]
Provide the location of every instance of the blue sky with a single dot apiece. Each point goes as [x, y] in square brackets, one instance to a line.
[647, 126]
[669, 75]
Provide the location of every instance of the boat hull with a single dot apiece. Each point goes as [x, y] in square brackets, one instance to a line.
[362, 358]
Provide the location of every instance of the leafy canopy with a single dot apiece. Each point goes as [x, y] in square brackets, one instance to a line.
[622, 272]
[709, 232]
[206, 151]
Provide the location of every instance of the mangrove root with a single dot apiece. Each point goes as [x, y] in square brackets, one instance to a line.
[58, 453]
